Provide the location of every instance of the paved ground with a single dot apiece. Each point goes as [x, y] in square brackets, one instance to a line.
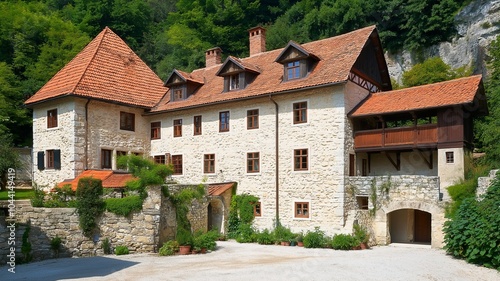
[234, 261]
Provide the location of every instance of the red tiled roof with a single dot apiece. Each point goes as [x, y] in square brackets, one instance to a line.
[442, 94]
[110, 179]
[105, 69]
[219, 188]
[338, 55]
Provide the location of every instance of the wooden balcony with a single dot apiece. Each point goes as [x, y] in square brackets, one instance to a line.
[403, 137]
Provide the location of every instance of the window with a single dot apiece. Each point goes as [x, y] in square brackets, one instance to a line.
[300, 112]
[234, 82]
[52, 118]
[106, 155]
[177, 162]
[257, 211]
[300, 160]
[178, 94]
[301, 210]
[253, 162]
[50, 159]
[253, 119]
[224, 121]
[155, 130]
[197, 125]
[127, 121]
[159, 159]
[362, 202]
[178, 128]
[450, 158]
[293, 70]
[209, 163]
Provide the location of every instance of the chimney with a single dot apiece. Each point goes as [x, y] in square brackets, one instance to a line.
[213, 57]
[257, 40]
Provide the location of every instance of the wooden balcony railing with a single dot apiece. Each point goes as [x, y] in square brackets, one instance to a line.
[403, 136]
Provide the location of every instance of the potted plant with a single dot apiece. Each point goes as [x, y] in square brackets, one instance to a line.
[361, 235]
[300, 239]
[185, 240]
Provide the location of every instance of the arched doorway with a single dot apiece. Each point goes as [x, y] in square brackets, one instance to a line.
[410, 226]
[215, 211]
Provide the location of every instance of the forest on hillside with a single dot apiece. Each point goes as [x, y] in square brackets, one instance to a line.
[39, 37]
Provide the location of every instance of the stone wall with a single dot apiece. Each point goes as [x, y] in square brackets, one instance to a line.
[139, 231]
[484, 182]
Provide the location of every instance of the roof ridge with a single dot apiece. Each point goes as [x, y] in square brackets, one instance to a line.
[106, 29]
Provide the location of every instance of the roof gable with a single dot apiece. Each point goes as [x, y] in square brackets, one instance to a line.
[234, 65]
[466, 90]
[106, 69]
[179, 77]
[293, 51]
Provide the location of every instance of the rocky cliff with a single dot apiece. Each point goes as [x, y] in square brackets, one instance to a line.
[477, 26]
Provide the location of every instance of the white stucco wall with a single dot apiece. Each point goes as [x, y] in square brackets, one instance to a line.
[412, 163]
[451, 173]
[322, 135]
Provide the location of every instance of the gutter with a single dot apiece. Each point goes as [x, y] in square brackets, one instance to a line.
[86, 148]
[277, 160]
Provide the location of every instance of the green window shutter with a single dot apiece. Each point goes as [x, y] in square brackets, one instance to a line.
[41, 160]
[57, 159]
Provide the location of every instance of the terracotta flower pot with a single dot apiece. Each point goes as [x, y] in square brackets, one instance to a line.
[363, 246]
[300, 243]
[184, 250]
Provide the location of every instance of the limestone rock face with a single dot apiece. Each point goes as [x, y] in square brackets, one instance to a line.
[477, 26]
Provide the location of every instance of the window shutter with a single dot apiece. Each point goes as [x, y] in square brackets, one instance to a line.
[168, 158]
[57, 159]
[41, 160]
[242, 80]
[226, 83]
[303, 68]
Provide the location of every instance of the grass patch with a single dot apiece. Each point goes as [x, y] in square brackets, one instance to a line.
[20, 194]
[124, 206]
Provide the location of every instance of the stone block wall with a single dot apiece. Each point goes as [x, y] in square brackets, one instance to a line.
[484, 182]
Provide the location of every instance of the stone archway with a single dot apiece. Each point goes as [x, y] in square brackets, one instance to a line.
[410, 222]
[215, 211]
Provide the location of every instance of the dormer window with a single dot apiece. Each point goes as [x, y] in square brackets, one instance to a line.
[234, 82]
[181, 85]
[297, 62]
[178, 94]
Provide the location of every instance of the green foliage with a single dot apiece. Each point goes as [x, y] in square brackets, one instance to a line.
[206, 240]
[121, 250]
[123, 206]
[9, 158]
[245, 233]
[26, 246]
[265, 237]
[283, 234]
[473, 233]
[344, 242]
[106, 246]
[360, 233]
[184, 236]
[241, 212]
[89, 204]
[60, 197]
[55, 245]
[430, 71]
[38, 197]
[169, 248]
[315, 239]
[20, 194]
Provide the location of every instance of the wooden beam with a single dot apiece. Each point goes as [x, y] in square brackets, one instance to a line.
[429, 161]
[396, 163]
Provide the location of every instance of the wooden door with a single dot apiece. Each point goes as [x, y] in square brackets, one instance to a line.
[422, 227]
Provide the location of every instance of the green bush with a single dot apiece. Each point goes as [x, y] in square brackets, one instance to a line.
[206, 240]
[106, 246]
[314, 239]
[121, 250]
[344, 242]
[361, 233]
[124, 206]
[473, 233]
[245, 233]
[89, 204]
[265, 237]
[55, 245]
[283, 234]
[38, 198]
[169, 248]
[241, 212]
[184, 237]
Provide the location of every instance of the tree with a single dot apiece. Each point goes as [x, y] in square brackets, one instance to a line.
[8, 159]
[432, 70]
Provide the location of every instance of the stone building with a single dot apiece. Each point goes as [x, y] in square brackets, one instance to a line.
[314, 130]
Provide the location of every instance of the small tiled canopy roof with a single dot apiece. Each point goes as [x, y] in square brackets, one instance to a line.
[337, 55]
[110, 179]
[219, 188]
[467, 90]
[106, 69]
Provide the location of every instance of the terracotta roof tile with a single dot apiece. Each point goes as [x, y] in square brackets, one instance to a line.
[217, 189]
[105, 69]
[110, 179]
[338, 55]
[442, 94]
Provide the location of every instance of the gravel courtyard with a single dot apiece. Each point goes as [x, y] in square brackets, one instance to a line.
[234, 261]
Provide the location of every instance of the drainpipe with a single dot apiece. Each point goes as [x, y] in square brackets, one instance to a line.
[85, 167]
[277, 159]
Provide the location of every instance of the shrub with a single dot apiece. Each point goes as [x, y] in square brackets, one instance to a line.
[38, 197]
[184, 237]
[169, 248]
[473, 232]
[245, 233]
[206, 240]
[314, 239]
[265, 237]
[124, 206]
[241, 212]
[89, 204]
[361, 233]
[55, 245]
[283, 234]
[121, 250]
[106, 246]
[344, 242]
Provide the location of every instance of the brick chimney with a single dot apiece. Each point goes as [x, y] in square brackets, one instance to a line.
[213, 57]
[257, 40]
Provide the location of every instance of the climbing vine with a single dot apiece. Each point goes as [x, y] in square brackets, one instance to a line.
[241, 213]
[89, 204]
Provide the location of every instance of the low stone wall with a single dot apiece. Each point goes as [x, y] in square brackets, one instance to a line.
[484, 182]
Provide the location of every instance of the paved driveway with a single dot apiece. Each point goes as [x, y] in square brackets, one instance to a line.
[234, 261]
